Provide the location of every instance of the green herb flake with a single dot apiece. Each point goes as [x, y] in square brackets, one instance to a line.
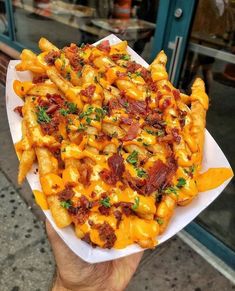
[115, 118]
[79, 74]
[133, 158]
[141, 173]
[126, 57]
[88, 120]
[81, 127]
[66, 204]
[63, 112]
[87, 112]
[160, 133]
[145, 144]
[160, 221]
[171, 189]
[105, 202]
[136, 204]
[72, 107]
[181, 182]
[129, 74]
[149, 131]
[126, 104]
[138, 74]
[42, 116]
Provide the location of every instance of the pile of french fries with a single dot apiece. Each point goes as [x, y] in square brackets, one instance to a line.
[93, 120]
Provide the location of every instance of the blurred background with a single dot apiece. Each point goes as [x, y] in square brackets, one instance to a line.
[198, 38]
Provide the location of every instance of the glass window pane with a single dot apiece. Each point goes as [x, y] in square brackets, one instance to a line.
[81, 21]
[3, 19]
[211, 55]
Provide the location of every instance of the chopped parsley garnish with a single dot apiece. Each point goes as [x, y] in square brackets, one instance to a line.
[88, 120]
[181, 182]
[190, 170]
[175, 189]
[105, 202]
[126, 104]
[138, 74]
[81, 127]
[87, 112]
[100, 113]
[139, 139]
[126, 57]
[136, 204]
[149, 131]
[115, 118]
[160, 133]
[133, 158]
[64, 112]
[72, 107]
[63, 64]
[66, 204]
[129, 74]
[82, 45]
[42, 116]
[171, 189]
[145, 144]
[141, 173]
[79, 74]
[160, 221]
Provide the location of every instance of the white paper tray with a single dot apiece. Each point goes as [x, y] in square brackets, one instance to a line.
[213, 157]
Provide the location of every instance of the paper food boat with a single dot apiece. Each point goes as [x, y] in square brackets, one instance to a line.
[213, 157]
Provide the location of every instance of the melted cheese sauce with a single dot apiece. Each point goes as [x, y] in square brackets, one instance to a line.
[213, 178]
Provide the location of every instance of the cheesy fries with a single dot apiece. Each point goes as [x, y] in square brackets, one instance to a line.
[117, 146]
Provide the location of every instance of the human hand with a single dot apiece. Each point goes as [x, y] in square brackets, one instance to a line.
[75, 274]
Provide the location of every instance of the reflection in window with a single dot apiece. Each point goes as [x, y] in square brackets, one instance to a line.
[86, 21]
[3, 19]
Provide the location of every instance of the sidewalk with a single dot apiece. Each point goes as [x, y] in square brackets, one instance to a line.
[26, 260]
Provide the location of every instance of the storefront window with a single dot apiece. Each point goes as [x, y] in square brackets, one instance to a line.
[211, 54]
[77, 21]
[3, 19]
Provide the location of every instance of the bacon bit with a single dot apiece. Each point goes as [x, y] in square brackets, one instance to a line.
[134, 107]
[113, 104]
[165, 104]
[176, 94]
[51, 127]
[18, 110]
[81, 212]
[118, 216]
[116, 165]
[85, 172]
[51, 57]
[126, 207]
[132, 67]
[155, 119]
[87, 239]
[108, 177]
[126, 120]
[43, 102]
[52, 108]
[104, 46]
[75, 60]
[55, 98]
[175, 134]
[132, 132]
[104, 210]
[89, 91]
[116, 57]
[152, 86]
[167, 88]
[134, 183]
[66, 194]
[40, 79]
[121, 74]
[182, 115]
[107, 234]
[158, 176]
